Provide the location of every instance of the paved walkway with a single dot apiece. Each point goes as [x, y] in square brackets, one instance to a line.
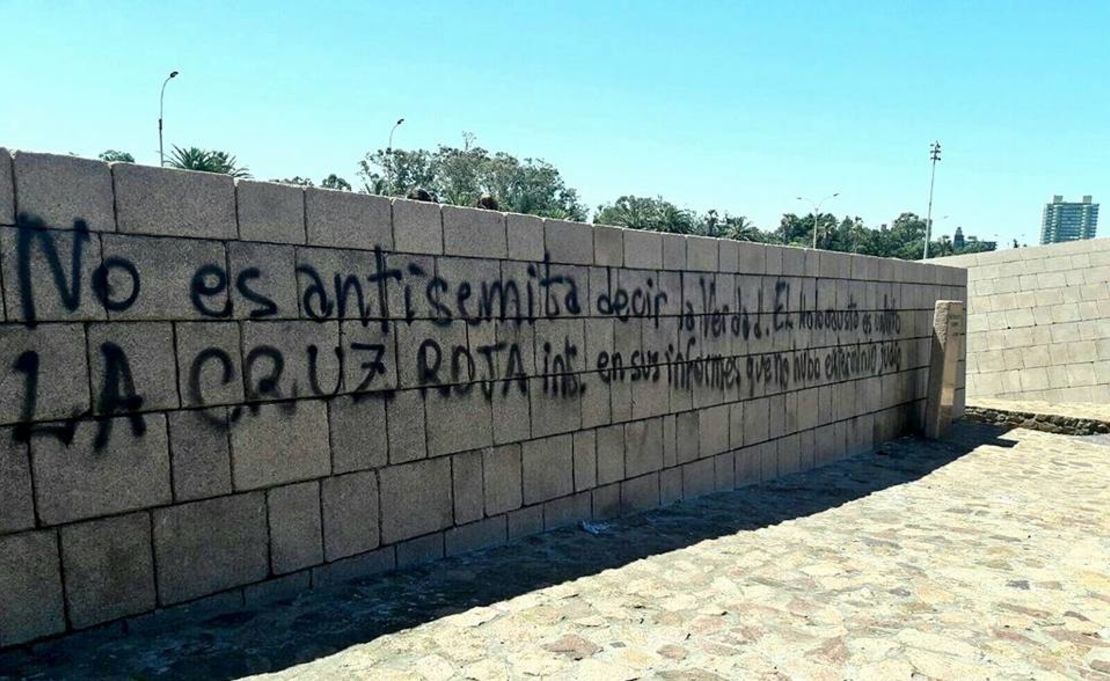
[1079, 410]
[986, 556]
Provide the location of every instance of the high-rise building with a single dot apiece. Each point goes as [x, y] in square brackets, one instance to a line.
[1064, 221]
[958, 240]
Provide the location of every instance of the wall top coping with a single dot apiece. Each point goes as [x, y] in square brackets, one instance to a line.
[1029, 253]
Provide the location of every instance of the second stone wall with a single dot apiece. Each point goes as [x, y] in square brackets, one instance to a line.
[219, 391]
[1039, 322]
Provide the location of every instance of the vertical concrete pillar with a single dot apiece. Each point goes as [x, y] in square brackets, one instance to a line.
[948, 335]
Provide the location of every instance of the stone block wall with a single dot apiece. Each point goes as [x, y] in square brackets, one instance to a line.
[1039, 322]
[216, 392]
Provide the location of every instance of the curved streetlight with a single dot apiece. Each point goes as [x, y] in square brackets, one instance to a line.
[161, 111]
[817, 211]
[389, 147]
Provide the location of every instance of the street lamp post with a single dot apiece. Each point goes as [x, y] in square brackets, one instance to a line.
[161, 111]
[389, 147]
[817, 211]
[934, 156]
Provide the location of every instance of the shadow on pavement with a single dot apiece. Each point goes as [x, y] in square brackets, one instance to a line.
[319, 623]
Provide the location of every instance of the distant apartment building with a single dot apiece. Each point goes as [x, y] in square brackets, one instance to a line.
[1066, 221]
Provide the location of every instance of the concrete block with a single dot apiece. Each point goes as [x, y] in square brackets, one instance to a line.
[503, 479]
[201, 455]
[174, 202]
[567, 510]
[467, 481]
[208, 546]
[273, 444]
[554, 408]
[279, 362]
[140, 351]
[405, 416]
[670, 485]
[644, 250]
[358, 433]
[348, 220]
[698, 478]
[728, 255]
[209, 366]
[331, 283]
[30, 588]
[547, 468]
[569, 242]
[713, 426]
[420, 550]
[608, 246]
[643, 442]
[456, 423]
[350, 514]
[7, 189]
[128, 471]
[511, 403]
[724, 472]
[606, 501]
[270, 211]
[415, 499]
[417, 227]
[610, 454]
[751, 258]
[29, 259]
[278, 590]
[474, 232]
[109, 569]
[689, 440]
[948, 329]
[702, 253]
[17, 506]
[63, 189]
[525, 521]
[296, 535]
[356, 567]
[525, 237]
[263, 280]
[756, 421]
[670, 441]
[674, 252]
[640, 494]
[585, 460]
[747, 462]
[479, 535]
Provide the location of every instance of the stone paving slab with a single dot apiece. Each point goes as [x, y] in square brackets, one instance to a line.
[1080, 410]
[986, 555]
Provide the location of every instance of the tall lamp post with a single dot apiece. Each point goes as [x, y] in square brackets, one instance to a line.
[389, 153]
[817, 211]
[934, 156]
[161, 111]
[389, 147]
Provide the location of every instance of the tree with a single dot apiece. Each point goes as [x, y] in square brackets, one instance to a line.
[207, 161]
[333, 181]
[636, 212]
[113, 156]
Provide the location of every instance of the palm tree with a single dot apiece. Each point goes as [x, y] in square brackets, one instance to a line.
[207, 161]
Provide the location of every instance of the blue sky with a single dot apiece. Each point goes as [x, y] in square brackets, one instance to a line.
[740, 106]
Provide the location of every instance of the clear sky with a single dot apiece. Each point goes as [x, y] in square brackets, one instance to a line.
[736, 105]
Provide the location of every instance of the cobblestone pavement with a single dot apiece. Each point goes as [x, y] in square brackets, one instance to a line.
[985, 556]
[1080, 410]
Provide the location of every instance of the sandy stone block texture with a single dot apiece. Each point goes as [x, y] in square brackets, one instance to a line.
[273, 444]
[61, 190]
[201, 456]
[474, 232]
[269, 211]
[406, 434]
[643, 442]
[702, 253]
[638, 494]
[525, 521]
[166, 271]
[608, 246]
[263, 281]
[457, 423]
[417, 227]
[567, 510]
[297, 374]
[142, 350]
[525, 237]
[569, 242]
[17, 509]
[30, 587]
[358, 433]
[348, 220]
[296, 537]
[208, 546]
[127, 471]
[28, 258]
[477, 535]
[643, 249]
[59, 355]
[109, 569]
[174, 202]
[350, 511]
[209, 370]
[548, 469]
[674, 252]
[415, 499]
[7, 189]
[502, 475]
[467, 481]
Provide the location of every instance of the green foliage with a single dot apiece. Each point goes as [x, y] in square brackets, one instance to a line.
[207, 161]
[297, 180]
[113, 156]
[657, 215]
[333, 181]
[460, 176]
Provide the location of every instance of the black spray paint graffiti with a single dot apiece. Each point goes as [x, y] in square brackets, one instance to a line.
[453, 369]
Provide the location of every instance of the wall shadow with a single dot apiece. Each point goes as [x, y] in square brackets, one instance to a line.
[322, 622]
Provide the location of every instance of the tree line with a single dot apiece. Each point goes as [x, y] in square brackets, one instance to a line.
[472, 175]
